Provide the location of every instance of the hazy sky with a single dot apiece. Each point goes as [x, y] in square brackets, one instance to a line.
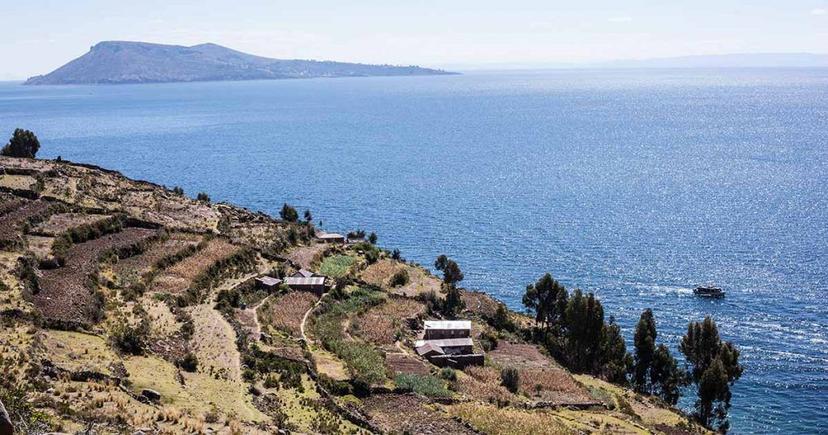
[39, 35]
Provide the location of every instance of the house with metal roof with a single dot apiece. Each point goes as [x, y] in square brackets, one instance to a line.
[314, 284]
[446, 329]
[331, 237]
[268, 283]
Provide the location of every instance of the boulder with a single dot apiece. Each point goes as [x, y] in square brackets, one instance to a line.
[6, 426]
[151, 395]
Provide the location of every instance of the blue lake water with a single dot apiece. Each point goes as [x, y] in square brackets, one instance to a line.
[634, 185]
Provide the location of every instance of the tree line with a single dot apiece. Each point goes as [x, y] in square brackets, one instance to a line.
[573, 329]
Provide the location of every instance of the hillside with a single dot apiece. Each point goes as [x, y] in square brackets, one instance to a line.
[116, 62]
[129, 307]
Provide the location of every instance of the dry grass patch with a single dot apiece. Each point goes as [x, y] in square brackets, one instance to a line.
[493, 420]
[214, 343]
[419, 282]
[62, 222]
[306, 256]
[520, 356]
[76, 351]
[285, 312]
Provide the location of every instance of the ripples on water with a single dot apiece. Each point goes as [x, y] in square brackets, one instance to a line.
[634, 185]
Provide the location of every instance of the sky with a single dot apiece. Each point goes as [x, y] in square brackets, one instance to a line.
[41, 35]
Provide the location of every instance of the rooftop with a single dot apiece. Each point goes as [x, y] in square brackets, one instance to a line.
[330, 236]
[311, 280]
[269, 280]
[447, 324]
[446, 342]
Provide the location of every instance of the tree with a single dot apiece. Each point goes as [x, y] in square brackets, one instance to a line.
[440, 262]
[547, 298]
[289, 213]
[452, 273]
[23, 143]
[666, 378]
[615, 360]
[501, 319]
[584, 330]
[715, 368]
[453, 304]
[308, 216]
[178, 190]
[510, 378]
[203, 197]
[372, 238]
[644, 340]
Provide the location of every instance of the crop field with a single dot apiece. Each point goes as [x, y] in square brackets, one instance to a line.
[178, 278]
[520, 356]
[406, 413]
[336, 266]
[484, 384]
[363, 360]
[384, 324]
[65, 293]
[61, 222]
[285, 312]
[143, 263]
[553, 385]
[401, 363]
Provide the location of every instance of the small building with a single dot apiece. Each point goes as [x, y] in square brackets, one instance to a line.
[313, 284]
[447, 329]
[331, 237]
[304, 273]
[448, 346]
[268, 283]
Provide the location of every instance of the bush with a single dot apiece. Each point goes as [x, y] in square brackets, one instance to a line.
[132, 340]
[23, 143]
[288, 213]
[399, 279]
[510, 379]
[189, 363]
[448, 374]
[426, 385]
[488, 341]
[202, 196]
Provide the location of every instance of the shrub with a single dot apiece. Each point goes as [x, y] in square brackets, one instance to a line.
[203, 197]
[426, 385]
[448, 374]
[288, 213]
[510, 379]
[178, 190]
[129, 339]
[189, 363]
[488, 340]
[399, 279]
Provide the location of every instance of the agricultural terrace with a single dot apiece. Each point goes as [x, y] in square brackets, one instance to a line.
[286, 311]
[67, 293]
[137, 266]
[337, 266]
[59, 223]
[386, 323]
[364, 362]
[418, 282]
[181, 276]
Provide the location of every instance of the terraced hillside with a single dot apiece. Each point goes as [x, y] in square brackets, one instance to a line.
[125, 306]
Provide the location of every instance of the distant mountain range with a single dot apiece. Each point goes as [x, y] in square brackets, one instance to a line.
[116, 62]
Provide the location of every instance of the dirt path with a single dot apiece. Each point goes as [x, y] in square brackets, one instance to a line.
[305, 318]
[254, 314]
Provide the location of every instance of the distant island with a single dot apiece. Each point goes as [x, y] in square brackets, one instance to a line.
[121, 62]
